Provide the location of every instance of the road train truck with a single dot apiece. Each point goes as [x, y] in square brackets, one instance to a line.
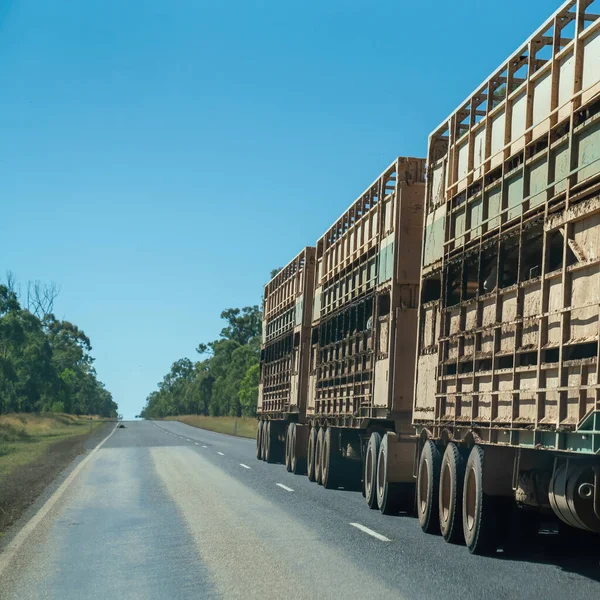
[449, 361]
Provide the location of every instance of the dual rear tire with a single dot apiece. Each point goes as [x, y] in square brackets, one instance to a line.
[389, 497]
[312, 446]
[452, 476]
[325, 462]
[295, 462]
[259, 440]
[269, 446]
[451, 500]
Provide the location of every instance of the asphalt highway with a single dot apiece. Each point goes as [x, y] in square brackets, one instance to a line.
[163, 510]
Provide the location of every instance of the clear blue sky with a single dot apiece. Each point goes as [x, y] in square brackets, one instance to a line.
[159, 157]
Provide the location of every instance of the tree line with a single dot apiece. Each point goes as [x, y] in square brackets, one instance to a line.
[224, 382]
[45, 363]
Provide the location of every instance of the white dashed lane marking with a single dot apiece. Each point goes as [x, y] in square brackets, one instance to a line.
[372, 533]
[220, 453]
[284, 487]
[245, 466]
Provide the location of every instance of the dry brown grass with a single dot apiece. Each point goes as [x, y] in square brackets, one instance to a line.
[25, 436]
[246, 426]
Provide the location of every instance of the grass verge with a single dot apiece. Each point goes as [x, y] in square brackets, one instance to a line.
[240, 426]
[33, 450]
[26, 436]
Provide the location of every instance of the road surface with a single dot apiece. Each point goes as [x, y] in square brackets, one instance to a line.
[163, 510]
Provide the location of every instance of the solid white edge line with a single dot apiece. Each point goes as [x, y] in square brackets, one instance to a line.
[364, 529]
[12, 548]
[245, 466]
[220, 453]
[284, 487]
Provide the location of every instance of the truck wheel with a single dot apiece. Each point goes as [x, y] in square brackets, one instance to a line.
[392, 497]
[272, 451]
[319, 456]
[370, 477]
[481, 520]
[452, 477]
[312, 443]
[330, 463]
[297, 464]
[259, 436]
[264, 439]
[288, 446]
[428, 483]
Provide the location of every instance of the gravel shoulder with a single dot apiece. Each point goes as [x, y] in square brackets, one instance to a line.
[25, 484]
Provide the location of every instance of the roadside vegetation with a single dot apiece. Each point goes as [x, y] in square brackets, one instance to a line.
[34, 448]
[241, 426]
[26, 436]
[224, 382]
[45, 362]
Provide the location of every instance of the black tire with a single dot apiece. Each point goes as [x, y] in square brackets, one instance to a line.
[330, 462]
[452, 478]
[264, 439]
[428, 484]
[289, 438]
[392, 497]
[259, 430]
[484, 516]
[312, 443]
[319, 456]
[370, 476]
[271, 452]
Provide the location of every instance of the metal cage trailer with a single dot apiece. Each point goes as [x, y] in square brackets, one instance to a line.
[507, 403]
[364, 325]
[282, 390]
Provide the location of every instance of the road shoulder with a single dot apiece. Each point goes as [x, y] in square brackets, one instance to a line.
[26, 488]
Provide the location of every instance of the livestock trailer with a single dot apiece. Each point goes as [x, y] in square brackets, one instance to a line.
[283, 384]
[362, 345]
[506, 402]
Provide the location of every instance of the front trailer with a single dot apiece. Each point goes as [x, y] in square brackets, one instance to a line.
[507, 403]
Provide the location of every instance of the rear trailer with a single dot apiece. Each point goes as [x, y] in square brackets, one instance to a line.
[506, 402]
[281, 410]
[362, 346]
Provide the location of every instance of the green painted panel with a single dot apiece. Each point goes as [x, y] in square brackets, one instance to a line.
[460, 219]
[560, 156]
[434, 235]
[476, 217]
[494, 203]
[390, 261]
[588, 443]
[538, 181]
[515, 196]
[588, 152]
[385, 260]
